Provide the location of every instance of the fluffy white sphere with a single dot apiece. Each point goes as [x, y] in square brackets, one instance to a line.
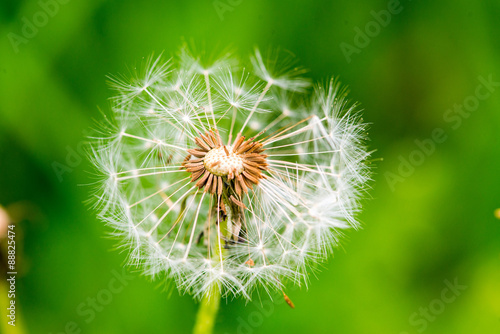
[216, 176]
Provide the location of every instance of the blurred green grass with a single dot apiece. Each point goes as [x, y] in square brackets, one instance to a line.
[437, 225]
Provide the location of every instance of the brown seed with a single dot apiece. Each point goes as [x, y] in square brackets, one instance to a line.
[186, 159]
[237, 142]
[248, 164]
[243, 147]
[205, 139]
[254, 155]
[209, 139]
[263, 166]
[219, 140]
[214, 139]
[201, 182]
[250, 177]
[255, 148]
[258, 158]
[241, 182]
[195, 168]
[253, 171]
[219, 185]
[248, 183]
[202, 144]
[238, 203]
[214, 185]
[237, 187]
[209, 183]
[191, 163]
[252, 147]
[196, 175]
[195, 160]
[250, 263]
[197, 153]
[288, 301]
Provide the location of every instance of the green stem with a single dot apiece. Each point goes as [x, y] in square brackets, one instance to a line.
[209, 306]
[207, 313]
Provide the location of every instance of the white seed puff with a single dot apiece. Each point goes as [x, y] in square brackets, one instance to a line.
[216, 175]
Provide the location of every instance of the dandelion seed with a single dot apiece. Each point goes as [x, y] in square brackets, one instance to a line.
[215, 178]
[288, 301]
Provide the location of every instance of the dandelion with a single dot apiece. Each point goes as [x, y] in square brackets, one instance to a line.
[226, 179]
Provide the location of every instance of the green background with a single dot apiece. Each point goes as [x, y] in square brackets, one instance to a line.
[434, 225]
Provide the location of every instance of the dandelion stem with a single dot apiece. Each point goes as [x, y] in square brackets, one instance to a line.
[207, 313]
[209, 306]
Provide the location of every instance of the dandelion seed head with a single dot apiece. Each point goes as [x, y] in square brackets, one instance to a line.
[215, 174]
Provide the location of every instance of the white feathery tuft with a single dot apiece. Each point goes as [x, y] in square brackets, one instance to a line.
[268, 225]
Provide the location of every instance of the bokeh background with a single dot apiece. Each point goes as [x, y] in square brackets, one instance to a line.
[434, 225]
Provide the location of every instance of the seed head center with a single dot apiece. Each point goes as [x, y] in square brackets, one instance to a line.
[218, 162]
